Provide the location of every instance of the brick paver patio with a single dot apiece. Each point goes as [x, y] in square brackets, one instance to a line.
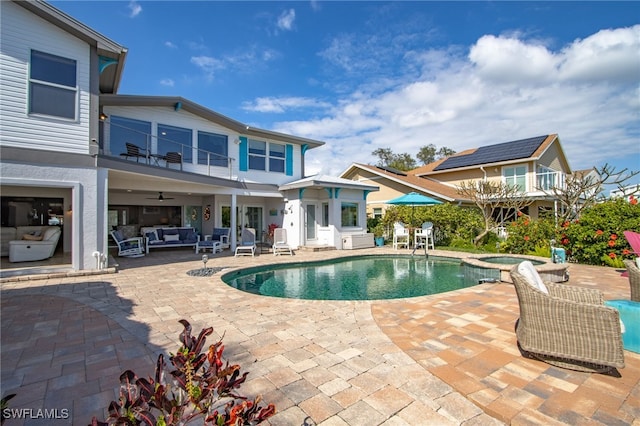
[447, 359]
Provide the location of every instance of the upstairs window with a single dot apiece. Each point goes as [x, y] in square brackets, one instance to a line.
[516, 176]
[175, 139]
[276, 158]
[213, 149]
[53, 85]
[257, 155]
[265, 156]
[127, 130]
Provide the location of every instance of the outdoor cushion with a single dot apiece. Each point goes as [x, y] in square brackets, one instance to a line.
[190, 237]
[171, 237]
[152, 236]
[527, 270]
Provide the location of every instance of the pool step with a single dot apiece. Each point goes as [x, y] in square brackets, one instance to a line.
[315, 248]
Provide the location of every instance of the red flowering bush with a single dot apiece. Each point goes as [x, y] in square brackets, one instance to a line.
[527, 236]
[594, 239]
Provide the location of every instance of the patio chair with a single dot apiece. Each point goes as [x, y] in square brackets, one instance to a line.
[134, 151]
[424, 236]
[634, 241]
[634, 279]
[247, 246]
[216, 242]
[566, 326]
[128, 247]
[173, 158]
[400, 235]
[280, 244]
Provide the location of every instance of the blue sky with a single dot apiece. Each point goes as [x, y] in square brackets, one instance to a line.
[400, 75]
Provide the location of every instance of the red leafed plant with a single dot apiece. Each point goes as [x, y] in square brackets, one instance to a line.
[200, 386]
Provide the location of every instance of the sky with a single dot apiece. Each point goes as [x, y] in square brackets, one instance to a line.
[364, 75]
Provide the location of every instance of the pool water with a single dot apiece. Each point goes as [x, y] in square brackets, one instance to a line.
[354, 278]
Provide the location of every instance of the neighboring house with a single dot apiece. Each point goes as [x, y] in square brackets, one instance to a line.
[64, 132]
[534, 165]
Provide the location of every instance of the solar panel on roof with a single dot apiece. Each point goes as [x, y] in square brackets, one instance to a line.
[506, 151]
[392, 170]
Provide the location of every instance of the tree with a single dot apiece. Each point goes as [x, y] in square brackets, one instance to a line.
[583, 190]
[429, 153]
[490, 196]
[398, 161]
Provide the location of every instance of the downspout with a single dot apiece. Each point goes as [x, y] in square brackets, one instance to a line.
[484, 172]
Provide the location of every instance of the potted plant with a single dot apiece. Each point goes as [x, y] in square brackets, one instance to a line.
[375, 226]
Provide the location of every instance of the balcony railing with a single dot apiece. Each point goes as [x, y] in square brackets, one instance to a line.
[546, 181]
[161, 152]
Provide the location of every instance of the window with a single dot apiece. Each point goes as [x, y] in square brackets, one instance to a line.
[263, 154]
[175, 139]
[213, 149]
[276, 158]
[52, 85]
[546, 178]
[125, 130]
[377, 212]
[325, 214]
[516, 176]
[349, 212]
[257, 155]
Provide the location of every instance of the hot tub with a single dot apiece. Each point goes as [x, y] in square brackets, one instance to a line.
[549, 271]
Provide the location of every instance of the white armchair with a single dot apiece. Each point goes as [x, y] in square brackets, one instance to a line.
[128, 247]
[30, 250]
[424, 236]
[400, 235]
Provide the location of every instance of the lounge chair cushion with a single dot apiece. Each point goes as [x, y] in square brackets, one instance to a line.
[152, 235]
[527, 270]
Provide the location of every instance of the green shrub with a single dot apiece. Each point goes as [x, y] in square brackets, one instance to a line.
[528, 236]
[451, 222]
[597, 237]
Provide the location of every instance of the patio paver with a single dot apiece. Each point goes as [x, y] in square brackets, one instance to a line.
[440, 359]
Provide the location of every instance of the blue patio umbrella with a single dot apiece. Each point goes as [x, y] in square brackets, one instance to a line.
[414, 199]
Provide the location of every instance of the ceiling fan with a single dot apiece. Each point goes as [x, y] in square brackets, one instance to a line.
[160, 197]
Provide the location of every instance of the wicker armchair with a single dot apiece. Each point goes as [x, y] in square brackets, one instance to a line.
[634, 279]
[566, 326]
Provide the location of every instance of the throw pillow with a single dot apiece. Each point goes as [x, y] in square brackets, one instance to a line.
[168, 238]
[32, 237]
[528, 271]
[152, 236]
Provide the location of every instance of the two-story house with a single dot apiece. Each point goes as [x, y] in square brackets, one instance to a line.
[77, 154]
[534, 165]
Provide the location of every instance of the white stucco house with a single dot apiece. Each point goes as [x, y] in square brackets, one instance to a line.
[76, 153]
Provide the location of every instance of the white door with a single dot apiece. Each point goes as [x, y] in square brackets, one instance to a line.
[310, 223]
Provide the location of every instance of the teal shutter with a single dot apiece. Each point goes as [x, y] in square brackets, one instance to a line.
[244, 154]
[288, 167]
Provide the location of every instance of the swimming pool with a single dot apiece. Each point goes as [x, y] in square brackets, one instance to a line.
[356, 278]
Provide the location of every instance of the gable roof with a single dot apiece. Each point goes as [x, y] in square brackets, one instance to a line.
[323, 181]
[421, 184]
[180, 103]
[506, 151]
[109, 51]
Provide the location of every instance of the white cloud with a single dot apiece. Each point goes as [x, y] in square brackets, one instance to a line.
[170, 45]
[134, 8]
[507, 88]
[280, 105]
[168, 82]
[208, 65]
[286, 19]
